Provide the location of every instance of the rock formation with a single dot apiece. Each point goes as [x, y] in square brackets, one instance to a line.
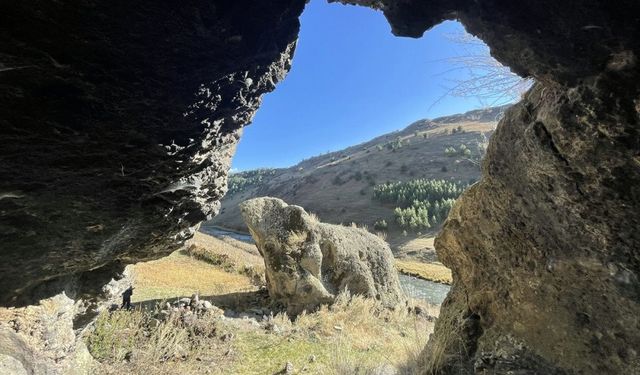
[545, 248]
[307, 263]
[118, 121]
[41, 340]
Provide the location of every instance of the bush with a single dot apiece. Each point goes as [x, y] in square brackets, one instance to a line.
[380, 225]
[395, 145]
[450, 151]
[239, 182]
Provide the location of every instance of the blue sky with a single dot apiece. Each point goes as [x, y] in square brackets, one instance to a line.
[351, 80]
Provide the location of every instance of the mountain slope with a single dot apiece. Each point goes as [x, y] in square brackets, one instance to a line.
[338, 186]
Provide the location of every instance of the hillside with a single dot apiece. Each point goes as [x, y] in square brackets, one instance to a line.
[338, 186]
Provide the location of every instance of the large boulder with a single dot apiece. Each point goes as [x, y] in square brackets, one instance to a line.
[308, 262]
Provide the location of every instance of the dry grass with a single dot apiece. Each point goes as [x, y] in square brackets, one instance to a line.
[427, 271]
[354, 336]
[418, 243]
[444, 349]
[134, 342]
[181, 275]
[239, 252]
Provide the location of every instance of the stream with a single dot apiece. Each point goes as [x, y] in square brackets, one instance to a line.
[433, 293]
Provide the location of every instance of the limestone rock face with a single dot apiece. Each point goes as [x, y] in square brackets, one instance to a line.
[560, 41]
[117, 123]
[308, 263]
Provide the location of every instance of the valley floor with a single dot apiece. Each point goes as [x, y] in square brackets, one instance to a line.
[242, 333]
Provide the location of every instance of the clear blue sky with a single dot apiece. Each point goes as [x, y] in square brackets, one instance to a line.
[351, 80]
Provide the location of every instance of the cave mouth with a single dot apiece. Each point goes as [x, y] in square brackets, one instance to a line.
[463, 77]
[109, 159]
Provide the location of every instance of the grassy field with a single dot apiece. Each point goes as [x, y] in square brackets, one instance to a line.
[427, 271]
[180, 275]
[353, 336]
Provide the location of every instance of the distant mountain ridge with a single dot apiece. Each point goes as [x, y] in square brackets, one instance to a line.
[338, 186]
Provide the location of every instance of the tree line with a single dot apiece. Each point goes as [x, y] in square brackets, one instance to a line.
[421, 203]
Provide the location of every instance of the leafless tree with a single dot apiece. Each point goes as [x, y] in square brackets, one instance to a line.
[478, 75]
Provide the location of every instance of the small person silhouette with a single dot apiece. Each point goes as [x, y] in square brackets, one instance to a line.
[126, 298]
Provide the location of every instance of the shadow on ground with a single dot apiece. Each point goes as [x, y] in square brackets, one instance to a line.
[237, 302]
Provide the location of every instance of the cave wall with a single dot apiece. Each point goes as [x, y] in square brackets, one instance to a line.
[117, 123]
[545, 249]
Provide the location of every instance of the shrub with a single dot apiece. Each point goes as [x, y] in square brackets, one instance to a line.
[239, 182]
[450, 151]
[395, 144]
[380, 225]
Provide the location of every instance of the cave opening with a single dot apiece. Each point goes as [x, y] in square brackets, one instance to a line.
[408, 151]
[118, 125]
[395, 160]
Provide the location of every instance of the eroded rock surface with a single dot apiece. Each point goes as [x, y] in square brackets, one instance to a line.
[40, 340]
[545, 248]
[307, 263]
[117, 123]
